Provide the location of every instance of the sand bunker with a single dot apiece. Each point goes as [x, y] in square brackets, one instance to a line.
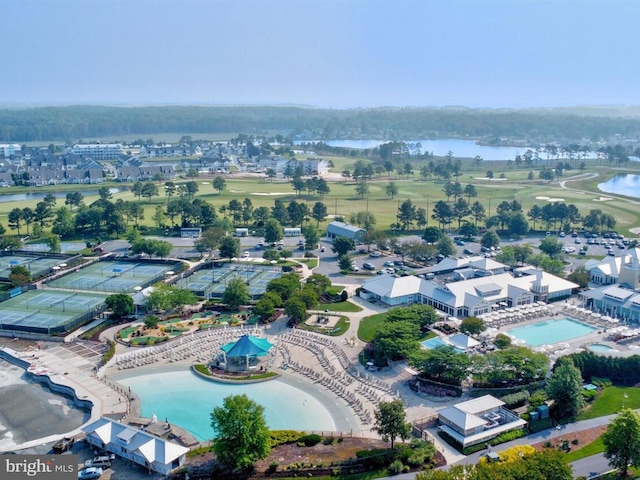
[236, 191]
[542, 198]
[491, 179]
[205, 183]
[602, 199]
[553, 200]
[272, 193]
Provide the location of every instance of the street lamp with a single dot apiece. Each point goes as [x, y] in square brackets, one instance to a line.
[624, 398]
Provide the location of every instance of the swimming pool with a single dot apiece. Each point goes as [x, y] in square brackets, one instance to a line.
[598, 347]
[436, 342]
[551, 331]
[188, 400]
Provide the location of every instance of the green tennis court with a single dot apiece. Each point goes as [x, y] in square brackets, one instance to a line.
[36, 265]
[48, 311]
[114, 277]
[213, 282]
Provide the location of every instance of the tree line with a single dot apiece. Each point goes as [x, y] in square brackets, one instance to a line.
[71, 123]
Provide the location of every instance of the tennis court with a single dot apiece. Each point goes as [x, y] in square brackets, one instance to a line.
[213, 282]
[49, 311]
[110, 277]
[36, 265]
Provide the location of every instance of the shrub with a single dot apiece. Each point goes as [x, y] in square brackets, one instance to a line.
[589, 395]
[344, 296]
[310, 440]
[328, 441]
[273, 466]
[601, 382]
[575, 441]
[283, 437]
[395, 468]
[517, 399]
[340, 440]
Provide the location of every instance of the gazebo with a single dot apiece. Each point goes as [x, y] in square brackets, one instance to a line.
[246, 347]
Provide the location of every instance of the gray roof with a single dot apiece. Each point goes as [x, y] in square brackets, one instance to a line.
[342, 229]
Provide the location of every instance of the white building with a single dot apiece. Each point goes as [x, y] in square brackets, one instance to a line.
[623, 269]
[471, 297]
[9, 149]
[99, 151]
[478, 420]
[135, 445]
[292, 232]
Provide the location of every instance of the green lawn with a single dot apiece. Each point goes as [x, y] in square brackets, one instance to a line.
[367, 327]
[590, 449]
[610, 401]
[340, 307]
[309, 262]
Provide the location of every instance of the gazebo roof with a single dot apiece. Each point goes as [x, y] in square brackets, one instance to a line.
[247, 345]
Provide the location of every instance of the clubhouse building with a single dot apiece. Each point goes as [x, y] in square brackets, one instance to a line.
[471, 297]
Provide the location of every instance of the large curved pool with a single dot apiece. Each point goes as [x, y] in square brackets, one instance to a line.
[187, 400]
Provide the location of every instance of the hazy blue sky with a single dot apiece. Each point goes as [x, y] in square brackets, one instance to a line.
[334, 53]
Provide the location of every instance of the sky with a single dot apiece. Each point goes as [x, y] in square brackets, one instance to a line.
[323, 53]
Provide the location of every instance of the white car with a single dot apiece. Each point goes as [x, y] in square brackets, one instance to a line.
[388, 263]
[375, 254]
[246, 254]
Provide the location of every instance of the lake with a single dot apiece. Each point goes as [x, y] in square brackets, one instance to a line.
[627, 184]
[20, 197]
[459, 148]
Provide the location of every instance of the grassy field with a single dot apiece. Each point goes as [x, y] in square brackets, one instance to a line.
[342, 200]
[611, 400]
[590, 449]
[340, 307]
[367, 327]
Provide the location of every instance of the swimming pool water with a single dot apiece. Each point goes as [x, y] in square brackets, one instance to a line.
[187, 400]
[598, 347]
[434, 343]
[551, 331]
[438, 342]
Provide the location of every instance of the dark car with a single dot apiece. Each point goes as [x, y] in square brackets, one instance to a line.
[63, 444]
[368, 266]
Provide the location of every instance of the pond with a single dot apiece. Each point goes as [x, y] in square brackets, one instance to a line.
[21, 197]
[459, 148]
[627, 184]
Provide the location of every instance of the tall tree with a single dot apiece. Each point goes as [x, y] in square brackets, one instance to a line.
[273, 231]
[242, 435]
[319, 212]
[391, 421]
[362, 189]
[391, 189]
[229, 247]
[149, 189]
[565, 389]
[622, 441]
[236, 294]
[219, 184]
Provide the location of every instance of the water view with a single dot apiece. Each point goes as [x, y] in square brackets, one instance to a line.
[627, 184]
[460, 148]
[21, 197]
[187, 400]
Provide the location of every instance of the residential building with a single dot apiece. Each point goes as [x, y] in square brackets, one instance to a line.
[136, 445]
[341, 229]
[99, 151]
[478, 420]
[9, 149]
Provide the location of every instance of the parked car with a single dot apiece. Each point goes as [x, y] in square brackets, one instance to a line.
[562, 234]
[90, 473]
[466, 251]
[375, 254]
[101, 461]
[245, 254]
[63, 444]
[612, 253]
[388, 263]
[368, 266]
[460, 243]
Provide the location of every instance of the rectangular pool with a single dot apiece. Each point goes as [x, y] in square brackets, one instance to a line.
[551, 331]
[436, 342]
